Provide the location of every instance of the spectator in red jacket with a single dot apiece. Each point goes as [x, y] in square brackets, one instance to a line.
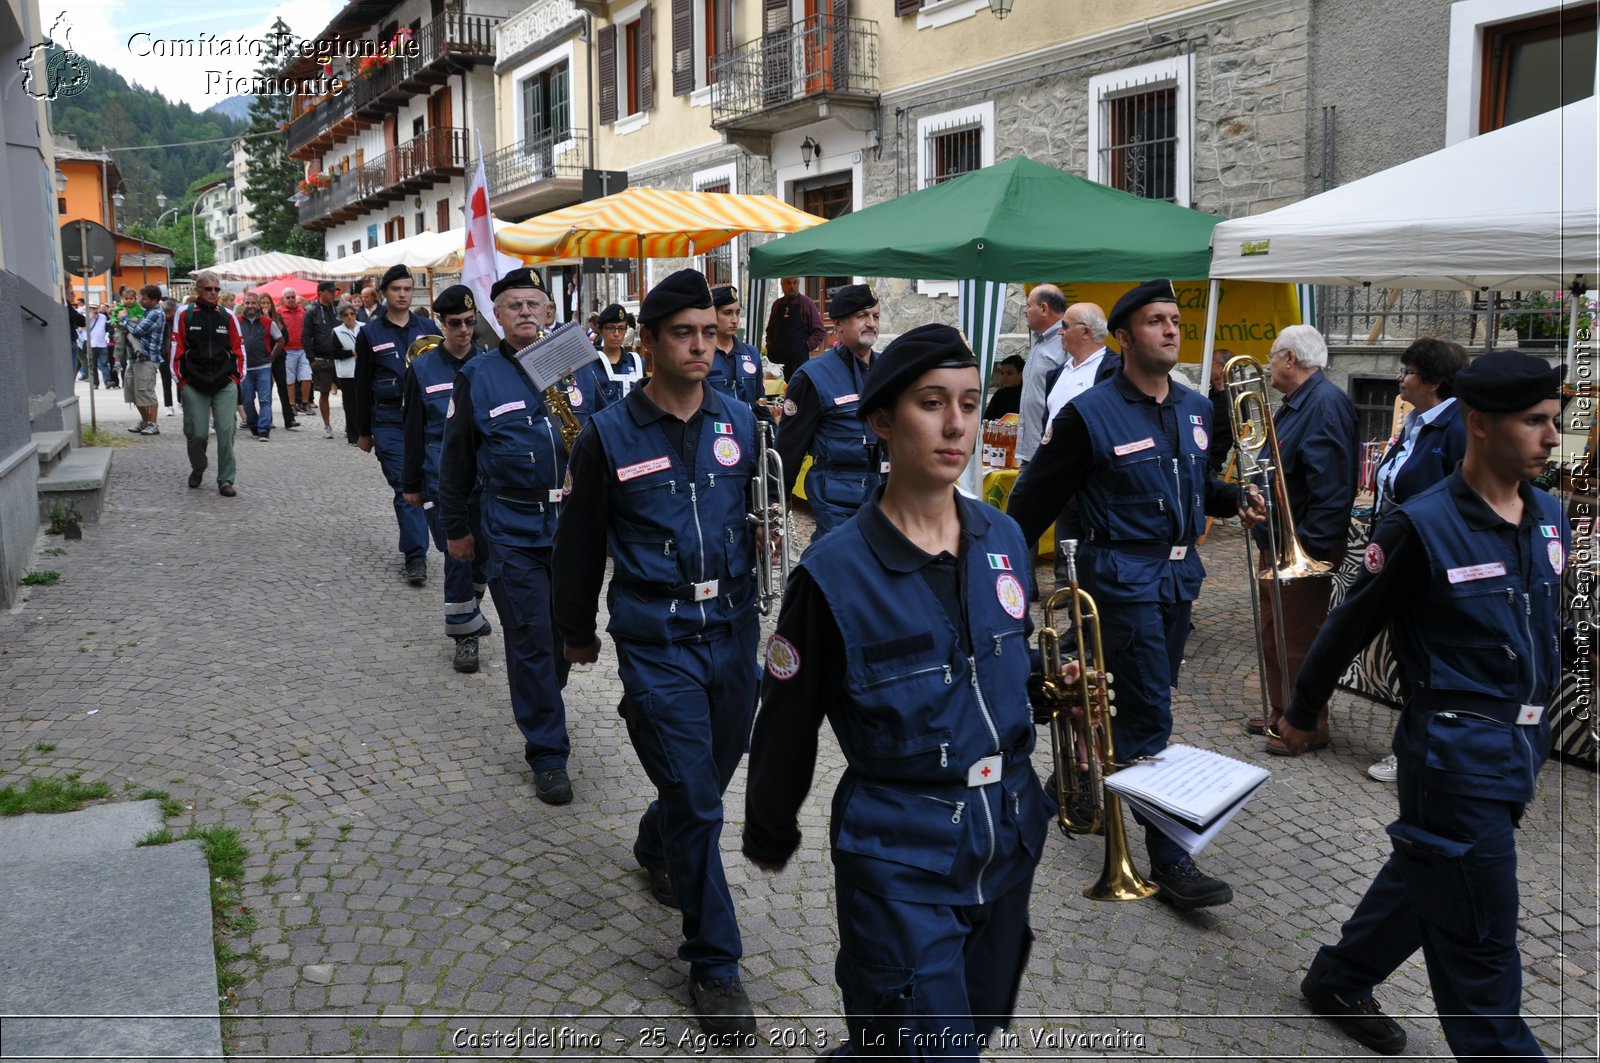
[208, 363]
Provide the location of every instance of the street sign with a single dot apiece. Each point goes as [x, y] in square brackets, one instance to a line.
[87, 248]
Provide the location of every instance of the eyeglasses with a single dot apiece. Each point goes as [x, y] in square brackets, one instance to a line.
[613, 328]
[1275, 352]
[524, 306]
[460, 322]
[1406, 371]
[211, 287]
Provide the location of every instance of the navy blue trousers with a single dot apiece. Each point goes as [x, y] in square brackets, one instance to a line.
[389, 443]
[689, 708]
[536, 667]
[929, 981]
[1450, 888]
[464, 581]
[1144, 670]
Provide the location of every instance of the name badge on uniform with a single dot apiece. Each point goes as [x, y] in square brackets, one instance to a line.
[1178, 553]
[842, 399]
[435, 388]
[508, 407]
[1147, 443]
[705, 591]
[643, 468]
[1529, 715]
[1470, 573]
[427, 505]
[985, 771]
[376, 347]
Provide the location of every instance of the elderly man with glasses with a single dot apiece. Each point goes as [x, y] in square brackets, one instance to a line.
[1316, 429]
[208, 363]
[429, 384]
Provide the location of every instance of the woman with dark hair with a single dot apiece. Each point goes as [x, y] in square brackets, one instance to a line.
[1431, 442]
[280, 373]
[1434, 437]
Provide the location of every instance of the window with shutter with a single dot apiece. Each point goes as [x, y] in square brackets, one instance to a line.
[907, 7]
[607, 48]
[682, 47]
[647, 64]
[775, 61]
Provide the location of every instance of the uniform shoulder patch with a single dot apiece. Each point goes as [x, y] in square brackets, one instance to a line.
[783, 660]
[789, 408]
[1373, 559]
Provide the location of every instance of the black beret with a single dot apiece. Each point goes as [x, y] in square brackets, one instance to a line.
[394, 273]
[1507, 381]
[1156, 291]
[521, 277]
[613, 315]
[724, 295]
[907, 358]
[851, 298]
[327, 286]
[455, 299]
[685, 289]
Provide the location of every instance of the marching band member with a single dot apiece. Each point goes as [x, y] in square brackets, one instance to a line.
[939, 819]
[1316, 429]
[624, 370]
[502, 441]
[1133, 452]
[820, 416]
[735, 365]
[662, 480]
[1467, 575]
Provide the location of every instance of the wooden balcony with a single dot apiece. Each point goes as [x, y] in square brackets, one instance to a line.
[421, 162]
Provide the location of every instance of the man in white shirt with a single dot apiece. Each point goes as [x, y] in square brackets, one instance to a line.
[1083, 338]
[1043, 311]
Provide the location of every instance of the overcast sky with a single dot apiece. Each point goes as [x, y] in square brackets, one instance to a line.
[101, 30]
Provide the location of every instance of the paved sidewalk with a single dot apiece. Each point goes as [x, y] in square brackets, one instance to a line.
[260, 658]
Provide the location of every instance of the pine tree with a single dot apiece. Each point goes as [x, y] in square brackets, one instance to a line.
[272, 176]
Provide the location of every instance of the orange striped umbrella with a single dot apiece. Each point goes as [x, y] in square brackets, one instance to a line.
[651, 223]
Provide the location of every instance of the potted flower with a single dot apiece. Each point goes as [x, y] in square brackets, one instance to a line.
[1541, 319]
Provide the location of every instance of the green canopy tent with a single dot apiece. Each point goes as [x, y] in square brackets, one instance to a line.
[1016, 221]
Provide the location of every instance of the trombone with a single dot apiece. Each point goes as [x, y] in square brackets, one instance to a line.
[1084, 806]
[771, 514]
[1255, 442]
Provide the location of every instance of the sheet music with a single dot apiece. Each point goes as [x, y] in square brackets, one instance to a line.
[1189, 784]
[564, 349]
[1184, 834]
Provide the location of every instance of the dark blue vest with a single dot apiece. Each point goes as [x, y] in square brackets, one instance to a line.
[844, 469]
[737, 374]
[522, 463]
[1140, 499]
[670, 532]
[389, 344]
[622, 379]
[435, 373]
[920, 714]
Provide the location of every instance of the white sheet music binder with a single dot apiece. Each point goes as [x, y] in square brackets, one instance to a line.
[565, 349]
[1190, 793]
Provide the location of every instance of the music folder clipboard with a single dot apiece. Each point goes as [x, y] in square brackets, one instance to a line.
[563, 351]
[1189, 793]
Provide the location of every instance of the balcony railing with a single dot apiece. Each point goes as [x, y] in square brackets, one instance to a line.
[543, 158]
[452, 40]
[421, 161]
[818, 56]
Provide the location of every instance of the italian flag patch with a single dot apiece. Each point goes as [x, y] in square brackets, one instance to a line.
[723, 428]
[1000, 561]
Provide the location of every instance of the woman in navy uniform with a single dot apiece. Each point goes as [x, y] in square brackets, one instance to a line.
[1467, 575]
[663, 480]
[376, 408]
[820, 416]
[735, 365]
[429, 383]
[939, 819]
[502, 444]
[1133, 451]
[624, 370]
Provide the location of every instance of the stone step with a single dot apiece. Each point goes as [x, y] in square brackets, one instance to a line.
[109, 956]
[53, 446]
[79, 479]
[115, 827]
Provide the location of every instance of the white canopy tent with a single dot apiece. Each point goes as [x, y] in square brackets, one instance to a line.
[270, 266]
[1511, 210]
[439, 251]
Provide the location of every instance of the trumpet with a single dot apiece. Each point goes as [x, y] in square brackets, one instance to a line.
[1083, 804]
[1255, 442]
[771, 514]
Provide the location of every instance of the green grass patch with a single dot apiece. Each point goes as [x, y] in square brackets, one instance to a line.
[345, 829]
[157, 837]
[46, 578]
[170, 806]
[51, 795]
[53, 551]
[99, 437]
[45, 747]
[302, 843]
[230, 919]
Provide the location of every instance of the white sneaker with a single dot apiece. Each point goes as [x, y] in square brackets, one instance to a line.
[171, 412]
[327, 431]
[1386, 770]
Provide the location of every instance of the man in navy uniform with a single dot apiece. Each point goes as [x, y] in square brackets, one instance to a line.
[502, 443]
[820, 415]
[735, 365]
[377, 405]
[429, 382]
[1132, 451]
[1467, 575]
[663, 480]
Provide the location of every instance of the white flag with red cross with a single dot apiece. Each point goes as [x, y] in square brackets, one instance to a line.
[482, 262]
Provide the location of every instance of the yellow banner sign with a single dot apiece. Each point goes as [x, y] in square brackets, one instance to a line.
[1250, 316]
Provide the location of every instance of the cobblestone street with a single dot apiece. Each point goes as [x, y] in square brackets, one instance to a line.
[260, 658]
